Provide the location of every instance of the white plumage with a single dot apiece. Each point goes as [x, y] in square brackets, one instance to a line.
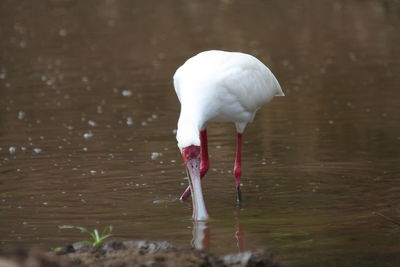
[221, 86]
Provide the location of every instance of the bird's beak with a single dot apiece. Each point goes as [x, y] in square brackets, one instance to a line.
[192, 162]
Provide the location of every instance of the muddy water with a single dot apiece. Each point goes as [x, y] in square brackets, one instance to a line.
[88, 113]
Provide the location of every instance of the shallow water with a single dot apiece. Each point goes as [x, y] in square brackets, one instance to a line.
[88, 113]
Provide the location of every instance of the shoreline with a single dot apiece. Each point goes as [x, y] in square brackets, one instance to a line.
[131, 253]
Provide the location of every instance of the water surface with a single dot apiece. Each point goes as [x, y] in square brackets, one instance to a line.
[88, 114]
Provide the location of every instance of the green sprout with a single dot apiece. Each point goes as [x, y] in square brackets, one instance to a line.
[97, 238]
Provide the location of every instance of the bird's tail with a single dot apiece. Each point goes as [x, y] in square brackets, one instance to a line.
[280, 93]
[278, 88]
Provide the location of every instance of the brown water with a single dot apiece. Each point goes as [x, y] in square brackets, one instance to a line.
[87, 114]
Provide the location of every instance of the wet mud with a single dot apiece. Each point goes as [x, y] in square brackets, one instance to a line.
[132, 253]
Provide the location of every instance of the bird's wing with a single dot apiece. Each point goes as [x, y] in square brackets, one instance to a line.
[251, 85]
[243, 77]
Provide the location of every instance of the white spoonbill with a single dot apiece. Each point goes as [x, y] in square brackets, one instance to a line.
[223, 87]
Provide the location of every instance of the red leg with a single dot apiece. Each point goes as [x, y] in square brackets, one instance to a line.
[238, 165]
[204, 164]
[239, 232]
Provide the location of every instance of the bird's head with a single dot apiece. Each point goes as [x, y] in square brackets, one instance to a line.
[191, 158]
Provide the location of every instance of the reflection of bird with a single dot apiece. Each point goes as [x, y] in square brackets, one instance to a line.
[223, 87]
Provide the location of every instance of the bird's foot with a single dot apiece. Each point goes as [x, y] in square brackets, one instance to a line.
[238, 195]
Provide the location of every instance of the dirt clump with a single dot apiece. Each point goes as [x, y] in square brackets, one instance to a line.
[32, 258]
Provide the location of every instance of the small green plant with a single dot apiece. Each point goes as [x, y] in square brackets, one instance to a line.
[97, 238]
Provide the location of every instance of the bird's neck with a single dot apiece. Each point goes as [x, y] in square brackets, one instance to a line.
[188, 131]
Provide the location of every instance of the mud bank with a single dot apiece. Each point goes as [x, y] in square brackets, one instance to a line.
[131, 253]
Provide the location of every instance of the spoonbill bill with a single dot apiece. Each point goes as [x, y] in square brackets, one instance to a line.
[222, 87]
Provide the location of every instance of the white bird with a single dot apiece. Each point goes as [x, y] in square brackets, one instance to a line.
[222, 87]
